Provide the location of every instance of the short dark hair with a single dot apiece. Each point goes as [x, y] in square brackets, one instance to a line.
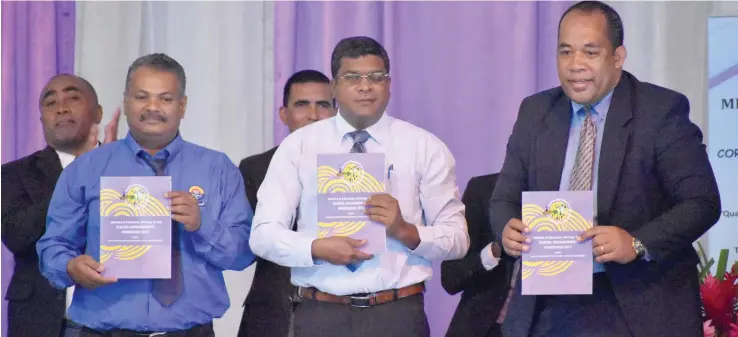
[161, 62]
[355, 47]
[92, 90]
[302, 76]
[85, 83]
[614, 24]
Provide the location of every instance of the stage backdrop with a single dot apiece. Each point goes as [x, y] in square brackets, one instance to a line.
[723, 115]
[459, 70]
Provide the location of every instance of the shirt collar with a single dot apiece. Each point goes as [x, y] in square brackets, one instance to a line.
[599, 109]
[168, 152]
[67, 158]
[378, 131]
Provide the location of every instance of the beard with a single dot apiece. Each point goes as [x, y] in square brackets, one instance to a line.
[63, 141]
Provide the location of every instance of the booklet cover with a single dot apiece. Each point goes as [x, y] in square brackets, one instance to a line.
[136, 227]
[556, 263]
[345, 182]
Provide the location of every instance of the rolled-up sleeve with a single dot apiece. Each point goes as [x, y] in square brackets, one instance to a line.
[445, 235]
[279, 198]
[66, 229]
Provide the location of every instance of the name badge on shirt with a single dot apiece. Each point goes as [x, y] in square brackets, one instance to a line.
[199, 195]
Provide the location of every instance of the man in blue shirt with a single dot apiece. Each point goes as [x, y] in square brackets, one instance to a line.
[211, 220]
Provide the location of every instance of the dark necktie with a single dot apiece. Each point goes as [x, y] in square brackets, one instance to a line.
[359, 137]
[167, 291]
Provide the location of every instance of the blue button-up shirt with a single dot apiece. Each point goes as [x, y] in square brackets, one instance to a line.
[222, 242]
[599, 114]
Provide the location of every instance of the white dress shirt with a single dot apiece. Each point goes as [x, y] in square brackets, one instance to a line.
[422, 179]
[66, 159]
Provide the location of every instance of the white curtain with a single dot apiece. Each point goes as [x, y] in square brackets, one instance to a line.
[226, 49]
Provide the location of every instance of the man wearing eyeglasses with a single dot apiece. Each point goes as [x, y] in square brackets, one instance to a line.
[343, 291]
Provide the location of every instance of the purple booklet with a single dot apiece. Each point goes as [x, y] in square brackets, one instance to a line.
[345, 182]
[556, 263]
[136, 227]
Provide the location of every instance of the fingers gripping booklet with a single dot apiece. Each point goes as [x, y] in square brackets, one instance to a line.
[345, 183]
[136, 227]
[556, 263]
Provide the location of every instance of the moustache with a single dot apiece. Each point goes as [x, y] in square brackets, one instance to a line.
[152, 114]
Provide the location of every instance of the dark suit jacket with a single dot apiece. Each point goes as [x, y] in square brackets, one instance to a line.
[35, 308]
[484, 292]
[655, 181]
[268, 305]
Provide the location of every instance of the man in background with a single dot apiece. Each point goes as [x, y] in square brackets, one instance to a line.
[70, 114]
[632, 144]
[209, 227]
[308, 97]
[481, 276]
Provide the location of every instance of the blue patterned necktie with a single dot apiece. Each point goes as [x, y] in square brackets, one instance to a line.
[167, 291]
[359, 137]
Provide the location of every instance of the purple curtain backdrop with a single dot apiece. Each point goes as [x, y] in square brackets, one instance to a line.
[459, 70]
[38, 43]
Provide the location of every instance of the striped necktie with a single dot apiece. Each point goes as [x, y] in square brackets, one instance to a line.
[581, 175]
[167, 291]
[359, 137]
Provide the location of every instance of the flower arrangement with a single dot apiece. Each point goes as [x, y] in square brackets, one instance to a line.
[719, 295]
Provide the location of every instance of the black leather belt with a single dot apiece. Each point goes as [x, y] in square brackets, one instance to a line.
[196, 331]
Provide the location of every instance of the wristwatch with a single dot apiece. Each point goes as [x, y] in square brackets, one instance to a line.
[639, 248]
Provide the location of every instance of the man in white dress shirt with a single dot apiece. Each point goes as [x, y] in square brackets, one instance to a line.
[343, 291]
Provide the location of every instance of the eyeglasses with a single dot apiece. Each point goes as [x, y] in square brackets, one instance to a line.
[374, 78]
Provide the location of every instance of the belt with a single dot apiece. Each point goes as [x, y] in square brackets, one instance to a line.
[362, 300]
[198, 330]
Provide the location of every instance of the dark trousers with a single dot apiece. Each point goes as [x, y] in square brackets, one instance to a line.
[401, 318]
[72, 329]
[596, 315]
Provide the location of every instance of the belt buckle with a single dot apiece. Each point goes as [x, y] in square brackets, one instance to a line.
[360, 301]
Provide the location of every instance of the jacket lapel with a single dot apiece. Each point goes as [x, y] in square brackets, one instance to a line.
[48, 162]
[614, 144]
[551, 146]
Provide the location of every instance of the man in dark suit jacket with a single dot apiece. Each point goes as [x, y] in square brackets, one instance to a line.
[69, 114]
[655, 189]
[483, 278]
[308, 98]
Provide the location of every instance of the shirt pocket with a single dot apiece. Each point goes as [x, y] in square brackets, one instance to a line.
[402, 185]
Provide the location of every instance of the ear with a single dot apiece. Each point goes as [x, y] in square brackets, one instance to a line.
[283, 115]
[620, 54]
[98, 114]
[183, 108]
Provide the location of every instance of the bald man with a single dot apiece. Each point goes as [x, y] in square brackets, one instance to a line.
[70, 114]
